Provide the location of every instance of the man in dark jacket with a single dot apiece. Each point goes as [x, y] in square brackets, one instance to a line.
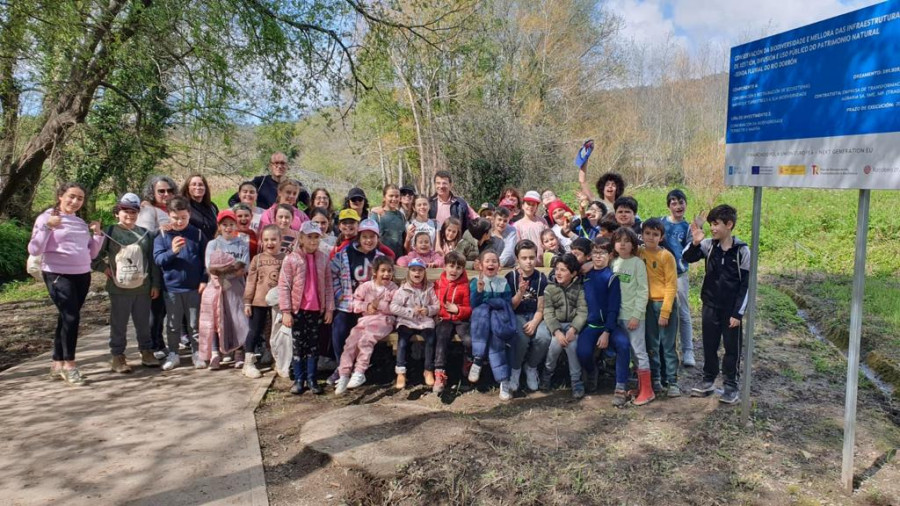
[267, 184]
[444, 204]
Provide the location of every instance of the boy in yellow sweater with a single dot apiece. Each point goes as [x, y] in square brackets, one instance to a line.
[662, 314]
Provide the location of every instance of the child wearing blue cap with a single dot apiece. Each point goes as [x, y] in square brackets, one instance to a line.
[415, 305]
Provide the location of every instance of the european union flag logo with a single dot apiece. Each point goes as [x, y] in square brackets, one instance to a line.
[754, 169]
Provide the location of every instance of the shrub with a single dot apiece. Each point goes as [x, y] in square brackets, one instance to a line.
[13, 243]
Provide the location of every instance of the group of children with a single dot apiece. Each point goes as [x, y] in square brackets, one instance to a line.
[616, 287]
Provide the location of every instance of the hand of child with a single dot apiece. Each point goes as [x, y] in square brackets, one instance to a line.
[523, 286]
[329, 315]
[287, 320]
[177, 244]
[372, 308]
[451, 308]
[633, 324]
[604, 341]
[421, 311]
[201, 288]
[410, 229]
[697, 234]
[561, 338]
[480, 284]
[733, 322]
[570, 335]
[96, 227]
[663, 322]
[154, 293]
[54, 221]
[248, 311]
[529, 328]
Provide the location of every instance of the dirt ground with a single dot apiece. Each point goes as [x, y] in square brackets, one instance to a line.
[549, 449]
[28, 326]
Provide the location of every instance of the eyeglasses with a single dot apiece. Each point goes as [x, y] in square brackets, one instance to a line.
[600, 253]
[278, 163]
[165, 190]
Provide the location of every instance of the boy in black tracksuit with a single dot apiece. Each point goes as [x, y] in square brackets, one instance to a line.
[724, 297]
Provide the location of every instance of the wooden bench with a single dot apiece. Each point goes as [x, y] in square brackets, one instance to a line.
[433, 275]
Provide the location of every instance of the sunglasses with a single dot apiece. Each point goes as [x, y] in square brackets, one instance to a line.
[357, 199]
[165, 190]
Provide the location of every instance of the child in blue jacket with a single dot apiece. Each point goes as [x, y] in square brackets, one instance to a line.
[491, 301]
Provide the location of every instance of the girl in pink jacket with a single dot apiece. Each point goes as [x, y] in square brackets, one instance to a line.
[415, 305]
[373, 300]
[306, 300]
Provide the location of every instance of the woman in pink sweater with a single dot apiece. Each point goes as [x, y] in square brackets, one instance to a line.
[67, 245]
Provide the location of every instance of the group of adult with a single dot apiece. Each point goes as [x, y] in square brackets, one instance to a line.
[67, 244]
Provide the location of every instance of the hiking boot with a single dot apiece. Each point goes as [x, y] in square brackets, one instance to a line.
[160, 354]
[119, 364]
[148, 359]
[620, 398]
[474, 373]
[703, 389]
[297, 387]
[514, 375]
[687, 359]
[674, 390]
[172, 361]
[249, 370]
[731, 395]
[429, 378]
[531, 378]
[578, 390]
[505, 392]
[357, 380]
[401, 381]
[73, 377]
[340, 386]
[215, 363]
[440, 382]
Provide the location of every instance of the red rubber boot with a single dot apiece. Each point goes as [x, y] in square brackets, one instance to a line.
[645, 388]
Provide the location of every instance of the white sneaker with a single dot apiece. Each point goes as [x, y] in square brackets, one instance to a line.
[227, 359]
[356, 380]
[687, 359]
[514, 375]
[250, 370]
[505, 393]
[160, 355]
[531, 378]
[474, 373]
[172, 361]
[341, 386]
[195, 359]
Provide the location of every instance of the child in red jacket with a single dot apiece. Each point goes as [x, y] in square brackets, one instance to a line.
[452, 291]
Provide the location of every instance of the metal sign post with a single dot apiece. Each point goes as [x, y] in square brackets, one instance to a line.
[856, 309]
[751, 307]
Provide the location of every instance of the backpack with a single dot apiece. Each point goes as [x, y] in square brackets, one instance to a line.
[131, 267]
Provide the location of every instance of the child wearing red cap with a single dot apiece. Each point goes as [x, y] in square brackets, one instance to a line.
[531, 225]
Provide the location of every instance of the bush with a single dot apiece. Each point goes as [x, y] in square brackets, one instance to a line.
[13, 243]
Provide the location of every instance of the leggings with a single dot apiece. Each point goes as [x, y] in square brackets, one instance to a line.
[305, 333]
[404, 334]
[68, 292]
[258, 317]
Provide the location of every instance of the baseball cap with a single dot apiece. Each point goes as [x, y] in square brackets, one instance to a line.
[584, 153]
[509, 203]
[348, 214]
[416, 262]
[356, 193]
[407, 190]
[129, 201]
[486, 206]
[227, 213]
[370, 225]
[532, 196]
[310, 227]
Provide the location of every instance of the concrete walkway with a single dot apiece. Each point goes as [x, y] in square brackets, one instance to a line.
[150, 437]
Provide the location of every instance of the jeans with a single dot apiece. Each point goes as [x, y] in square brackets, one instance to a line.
[158, 323]
[661, 344]
[68, 292]
[638, 341]
[341, 326]
[535, 346]
[258, 317]
[404, 334]
[123, 307]
[444, 331]
[555, 349]
[684, 314]
[619, 345]
[178, 307]
[715, 330]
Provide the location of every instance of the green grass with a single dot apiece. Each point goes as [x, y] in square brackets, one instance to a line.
[21, 291]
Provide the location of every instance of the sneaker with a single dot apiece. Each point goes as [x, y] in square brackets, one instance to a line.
[239, 359]
[401, 381]
[297, 388]
[673, 391]
[184, 343]
[531, 378]
[215, 363]
[578, 391]
[73, 377]
[474, 373]
[159, 354]
[119, 364]
[514, 375]
[340, 387]
[429, 378]
[198, 364]
[148, 359]
[687, 359]
[505, 392]
[250, 370]
[356, 380]
[333, 379]
[545, 381]
[55, 373]
[227, 359]
[172, 361]
[440, 382]
[704, 389]
[731, 395]
[620, 398]
[657, 388]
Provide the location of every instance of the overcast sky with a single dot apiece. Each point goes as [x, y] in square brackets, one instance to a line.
[721, 22]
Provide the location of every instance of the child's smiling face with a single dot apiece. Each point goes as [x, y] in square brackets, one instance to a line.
[228, 228]
[384, 275]
[283, 219]
[550, 242]
[677, 208]
[490, 265]
[453, 271]
[416, 275]
[423, 244]
[243, 219]
[563, 274]
[624, 216]
[652, 237]
[271, 241]
[452, 232]
[368, 240]
[600, 258]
